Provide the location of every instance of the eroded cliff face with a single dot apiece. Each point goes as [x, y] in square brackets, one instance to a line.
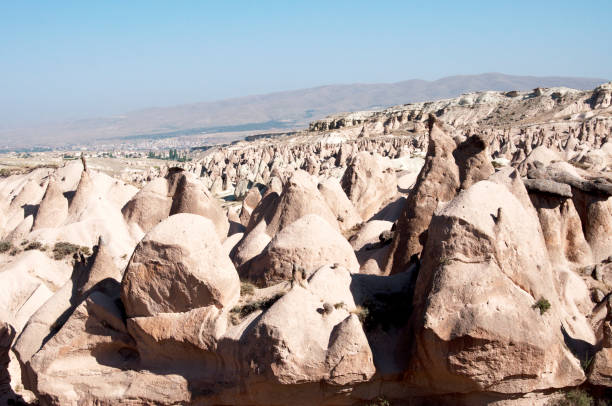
[452, 252]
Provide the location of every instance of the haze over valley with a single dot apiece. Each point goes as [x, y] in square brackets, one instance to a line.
[228, 120]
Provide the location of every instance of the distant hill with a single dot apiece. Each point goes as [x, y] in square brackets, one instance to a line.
[281, 110]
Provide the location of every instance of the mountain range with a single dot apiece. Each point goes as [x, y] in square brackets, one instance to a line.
[268, 112]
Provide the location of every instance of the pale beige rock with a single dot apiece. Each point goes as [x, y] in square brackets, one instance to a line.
[368, 183]
[562, 230]
[230, 242]
[333, 348]
[448, 167]
[182, 342]
[100, 274]
[251, 245]
[178, 266]
[149, 206]
[192, 197]
[92, 344]
[252, 198]
[485, 266]
[300, 197]
[540, 154]
[308, 243]
[340, 205]
[53, 208]
[601, 369]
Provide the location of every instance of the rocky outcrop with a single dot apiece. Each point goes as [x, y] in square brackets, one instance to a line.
[500, 286]
[7, 334]
[250, 201]
[600, 372]
[178, 192]
[303, 246]
[53, 208]
[96, 273]
[149, 206]
[176, 267]
[448, 167]
[485, 271]
[340, 205]
[190, 196]
[332, 350]
[368, 183]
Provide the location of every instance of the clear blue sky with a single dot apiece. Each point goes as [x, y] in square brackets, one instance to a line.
[61, 60]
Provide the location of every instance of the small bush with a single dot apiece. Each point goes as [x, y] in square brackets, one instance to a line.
[362, 313]
[385, 310]
[577, 397]
[240, 312]
[586, 362]
[339, 305]
[543, 305]
[62, 249]
[6, 172]
[380, 401]
[14, 252]
[34, 245]
[444, 261]
[5, 246]
[246, 288]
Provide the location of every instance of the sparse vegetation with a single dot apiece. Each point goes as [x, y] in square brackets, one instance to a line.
[444, 261]
[579, 165]
[542, 304]
[6, 172]
[339, 305]
[380, 401]
[240, 312]
[62, 249]
[5, 246]
[173, 155]
[586, 362]
[247, 288]
[34, 245]
[386, 310]
[14, 252]
[576, 397]
[352, 231]
[362, 313]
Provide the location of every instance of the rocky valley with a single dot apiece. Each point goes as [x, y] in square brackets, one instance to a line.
[452, 252]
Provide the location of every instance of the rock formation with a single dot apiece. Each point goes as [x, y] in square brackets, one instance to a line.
[371, 259]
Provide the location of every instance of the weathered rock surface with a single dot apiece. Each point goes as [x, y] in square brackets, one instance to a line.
[448, 167]
[53, 208]
[368, 183]
[178, 266]
[340, 205]
[333, 349]
[308, 244]
[7, 334]
[484, 269]
[500, 289]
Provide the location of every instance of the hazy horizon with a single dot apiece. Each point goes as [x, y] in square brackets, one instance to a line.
[74, 60]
